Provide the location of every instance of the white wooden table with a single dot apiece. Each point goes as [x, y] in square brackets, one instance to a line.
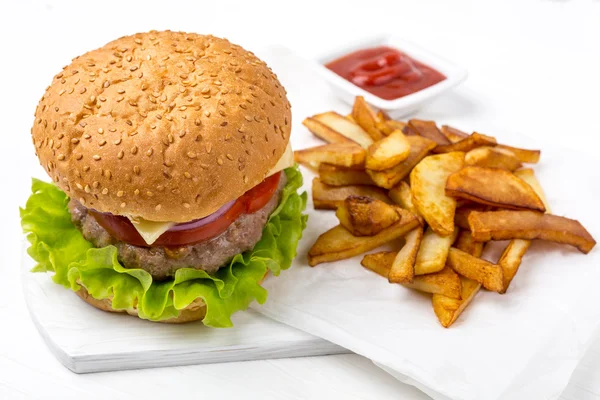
[537, 61]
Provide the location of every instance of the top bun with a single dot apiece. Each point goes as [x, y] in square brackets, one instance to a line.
[167, 126]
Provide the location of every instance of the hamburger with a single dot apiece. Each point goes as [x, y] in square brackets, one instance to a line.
[174, 190]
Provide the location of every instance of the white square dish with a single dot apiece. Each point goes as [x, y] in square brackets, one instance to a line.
[402, 106]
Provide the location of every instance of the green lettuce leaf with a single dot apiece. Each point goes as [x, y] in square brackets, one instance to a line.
[59, 247]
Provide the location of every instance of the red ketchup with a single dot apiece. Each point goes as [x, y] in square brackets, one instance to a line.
[385, 72]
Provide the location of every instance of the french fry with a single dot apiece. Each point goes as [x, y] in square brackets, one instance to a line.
[388, 126]
[340, 154]
[510, 260]
[467, 144]
[452, 134]
[529, 176]
[365, 216]
[466, 243]
[388, 152]
[350, 118]
[402, 270]
[448, 309]
[433, 252]
[419, 148]
[325, 132]
[489, 275]
[345, 127]
[342, 176]
[338, 244]
[504, 225]
[526, 156]
[461, 217]
[494, 187]
[401, 195]
[380, 263]
[327, 197]
[428, 182]
[493, 157]
[364, 116]
[429, 130]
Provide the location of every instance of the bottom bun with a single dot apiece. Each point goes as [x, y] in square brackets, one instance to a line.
[194, 312]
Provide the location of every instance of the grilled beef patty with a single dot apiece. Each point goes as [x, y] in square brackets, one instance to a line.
[162, 262]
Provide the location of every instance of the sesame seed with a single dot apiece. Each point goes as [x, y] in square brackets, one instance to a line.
[134, 150]
[123, 204]
[229, 156]
[191, 154]
[79, 156]
[207, 113]
[102, 143]
[187, 175]
[220, 161]
[243, 106]
[86, 168]
[158, 207]
[136, 192]
[205, 90]
[136, 170]
[87, 189]
[186, 205]
[96, 157]
[120, 193]
[95, 184]
[224, 123]
[208, 147]
[117, 142]
[149, 152]
[87, 136]
[120, 154]
[105, 191]
[82, 201]
[245, 179]
[248, 118]
[74, 140]
[149, 193]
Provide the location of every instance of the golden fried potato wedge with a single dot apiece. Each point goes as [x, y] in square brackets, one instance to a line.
[511, 260]
[419, 148]
[338, 244]
[341, 154]
[528, 176]
[429, 130]
[428, 182]
[489, 275]
[380, 263]
[350, 118]
[467, 144]
[327, 197]
[402, 196]
[341, 176]
[454, 135]
[433, 252]
[345, 127]
[388, 126]
[325, 132]
[493, 186]
[504, 225]
[526, 156]
[388, 152]
[446, 282]
[514, 252]
[365, 216]
[402, 269]
[448, 309]
[493, 157]
[364, 116]
[466, 243]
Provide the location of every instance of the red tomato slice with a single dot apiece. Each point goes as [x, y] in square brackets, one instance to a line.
[253, 200]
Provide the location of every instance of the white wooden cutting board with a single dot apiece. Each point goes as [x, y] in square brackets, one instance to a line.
[86, 339]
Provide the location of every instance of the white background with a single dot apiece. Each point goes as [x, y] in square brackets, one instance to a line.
[537, 61]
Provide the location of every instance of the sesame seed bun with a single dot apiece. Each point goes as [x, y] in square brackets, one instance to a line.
[167, 126]
[196, 311]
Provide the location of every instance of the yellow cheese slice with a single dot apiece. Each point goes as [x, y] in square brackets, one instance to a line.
[151, 230]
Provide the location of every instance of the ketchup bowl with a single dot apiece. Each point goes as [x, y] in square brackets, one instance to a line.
[390, 73]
